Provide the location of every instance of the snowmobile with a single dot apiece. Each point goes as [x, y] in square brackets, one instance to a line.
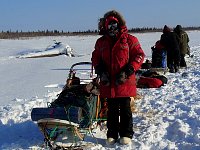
[73, 114]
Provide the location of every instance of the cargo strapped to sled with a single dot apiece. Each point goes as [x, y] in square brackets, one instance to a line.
[74, 111]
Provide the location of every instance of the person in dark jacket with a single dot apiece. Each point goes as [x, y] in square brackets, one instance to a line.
[116, 58]
[170, 42]
[159, 58]
[183, 44]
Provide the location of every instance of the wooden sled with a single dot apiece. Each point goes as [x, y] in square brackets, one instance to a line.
[62, 125]
[60, 134]
[59, 127]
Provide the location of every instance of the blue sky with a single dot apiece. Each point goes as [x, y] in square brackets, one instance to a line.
[80, 15]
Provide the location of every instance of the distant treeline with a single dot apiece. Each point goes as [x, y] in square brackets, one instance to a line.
[20, 34]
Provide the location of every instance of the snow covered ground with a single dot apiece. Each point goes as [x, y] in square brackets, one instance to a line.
[166, 118]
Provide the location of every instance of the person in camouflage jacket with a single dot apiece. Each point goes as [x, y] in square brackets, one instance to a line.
[183, 44]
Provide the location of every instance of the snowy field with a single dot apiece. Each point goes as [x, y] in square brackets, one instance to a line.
[167, 118]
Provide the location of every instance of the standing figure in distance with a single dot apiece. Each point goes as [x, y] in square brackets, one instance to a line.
[116, 58]
[170, 41]
[183, 44]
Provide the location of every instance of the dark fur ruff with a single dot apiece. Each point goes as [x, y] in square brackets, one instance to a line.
[114, 13]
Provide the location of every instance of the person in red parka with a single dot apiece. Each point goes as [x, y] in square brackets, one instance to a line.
[116, 58]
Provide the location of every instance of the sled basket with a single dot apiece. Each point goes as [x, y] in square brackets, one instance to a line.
[74, 111]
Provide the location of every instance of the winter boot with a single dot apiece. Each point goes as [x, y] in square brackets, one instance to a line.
[171, 70]
[176, 69]
[125, 140]
[110, 141]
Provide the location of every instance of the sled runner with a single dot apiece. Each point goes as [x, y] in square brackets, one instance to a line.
[70, 117]
[62, 134]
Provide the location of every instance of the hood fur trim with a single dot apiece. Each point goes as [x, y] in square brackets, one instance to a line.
[101, 24]
[117, 15]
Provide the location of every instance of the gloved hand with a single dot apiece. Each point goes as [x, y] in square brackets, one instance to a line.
[104, 79]
[189, 53]
[129, 70]
[153, 48]
[124, 74]
[121, 78]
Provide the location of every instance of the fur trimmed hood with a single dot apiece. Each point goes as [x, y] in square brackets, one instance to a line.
[117, 15]
[102, 21]
[178, 29]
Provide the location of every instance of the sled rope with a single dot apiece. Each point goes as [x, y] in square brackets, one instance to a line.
[74, 129]
[53, 132]
[47, 138]
[97, 107]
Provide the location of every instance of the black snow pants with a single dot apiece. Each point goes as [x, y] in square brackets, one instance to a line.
[182, 61]
[173, 60]
[119, 126]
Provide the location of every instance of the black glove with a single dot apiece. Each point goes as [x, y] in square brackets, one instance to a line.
[124, 74]
[153, 48]
[104, 78]
[121, 78]
[129, 70]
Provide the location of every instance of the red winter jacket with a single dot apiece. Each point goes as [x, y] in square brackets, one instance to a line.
[126, 50]
[159, 46]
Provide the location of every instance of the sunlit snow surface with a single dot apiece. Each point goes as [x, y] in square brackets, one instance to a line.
[166, 118]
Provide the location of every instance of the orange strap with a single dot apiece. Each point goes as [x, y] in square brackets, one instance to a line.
[97, 107]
